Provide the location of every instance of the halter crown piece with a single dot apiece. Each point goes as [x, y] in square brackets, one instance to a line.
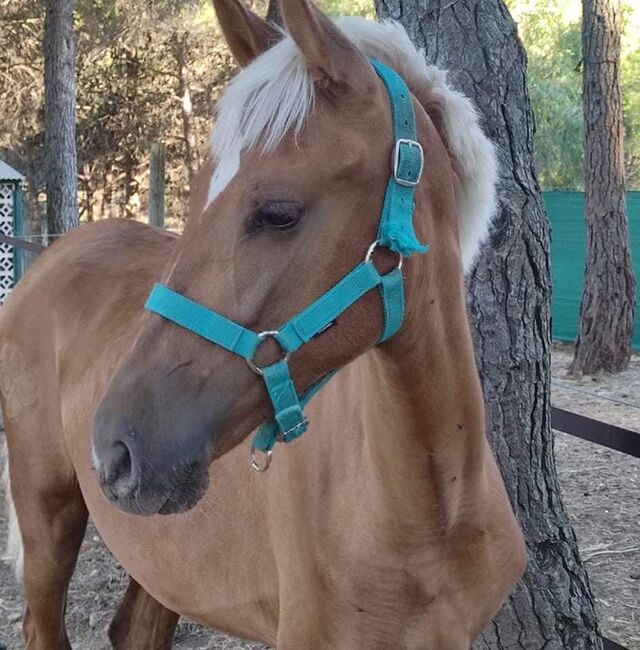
[395, 232]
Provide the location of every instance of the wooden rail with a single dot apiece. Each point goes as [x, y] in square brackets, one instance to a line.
[607, 435]
[31, 246]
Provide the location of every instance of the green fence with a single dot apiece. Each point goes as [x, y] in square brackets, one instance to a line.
[566, 214]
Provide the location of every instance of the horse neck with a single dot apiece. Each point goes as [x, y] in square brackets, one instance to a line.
[424, 415]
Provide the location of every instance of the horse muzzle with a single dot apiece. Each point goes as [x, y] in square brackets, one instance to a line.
[150, 456]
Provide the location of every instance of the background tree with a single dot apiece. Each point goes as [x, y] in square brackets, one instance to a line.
[508, 300]
[60, 158]
[608, 299]
[136, 60]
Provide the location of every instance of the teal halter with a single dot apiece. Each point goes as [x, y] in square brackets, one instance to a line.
[395, 233]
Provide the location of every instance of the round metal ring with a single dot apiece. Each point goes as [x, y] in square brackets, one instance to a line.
[266, 463]
[262, 336]
[372, 248]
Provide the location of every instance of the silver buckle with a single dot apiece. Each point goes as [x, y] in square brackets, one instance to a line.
[396, 162]
[262, 336]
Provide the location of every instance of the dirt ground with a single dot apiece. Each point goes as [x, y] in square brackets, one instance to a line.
[601, 490]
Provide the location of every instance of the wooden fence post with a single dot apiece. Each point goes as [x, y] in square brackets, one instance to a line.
[156, 185]
[22, 228]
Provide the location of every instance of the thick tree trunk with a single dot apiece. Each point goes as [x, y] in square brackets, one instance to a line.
[59, 117]
[608, 298]
[508, 299]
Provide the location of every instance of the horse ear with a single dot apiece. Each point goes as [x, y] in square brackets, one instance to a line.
[246, 33]
[330, 56]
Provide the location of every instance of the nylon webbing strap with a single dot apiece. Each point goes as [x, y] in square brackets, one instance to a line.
[392, 295]
[202, 321]
[395, 232]
[396, 222]
[321, 313]
[402, 115]
[288, 412]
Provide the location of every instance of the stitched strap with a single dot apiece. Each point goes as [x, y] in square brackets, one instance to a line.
[403, 117]
[288, 414]
[392, 295]
[320, 314]
[202, 321]
[267, 435]
[396, 223]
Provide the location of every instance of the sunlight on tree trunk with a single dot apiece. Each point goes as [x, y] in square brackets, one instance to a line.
[180, 41]
[60, 119]
[508, 299]
[608, 299]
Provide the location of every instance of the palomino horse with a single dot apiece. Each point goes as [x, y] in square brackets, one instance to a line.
[387, 524]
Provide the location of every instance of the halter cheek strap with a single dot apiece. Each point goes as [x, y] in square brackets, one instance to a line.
[395, 232]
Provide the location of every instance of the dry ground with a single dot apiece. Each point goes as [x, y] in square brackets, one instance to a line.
[601, 490]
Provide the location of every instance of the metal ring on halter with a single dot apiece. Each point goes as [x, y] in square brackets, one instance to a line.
[372, 248]
[255, 463]
[262, 336]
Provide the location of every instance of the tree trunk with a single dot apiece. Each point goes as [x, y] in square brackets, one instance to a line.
[181, 45]
[273, 12]
[59, 117]
[87, 171]
[608, 299]
[509, 302]
[156, 185]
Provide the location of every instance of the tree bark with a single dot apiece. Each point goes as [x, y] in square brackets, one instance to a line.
[180, 48]
[509, 308]
[156, 185]
[608, 298]
[59, 117]
[273, 12]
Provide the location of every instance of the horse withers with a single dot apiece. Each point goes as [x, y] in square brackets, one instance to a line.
[386, 525]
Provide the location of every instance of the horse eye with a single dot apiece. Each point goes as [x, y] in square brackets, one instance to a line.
[275, 215]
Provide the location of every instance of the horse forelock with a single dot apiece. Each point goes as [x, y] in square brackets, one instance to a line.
[275, 94]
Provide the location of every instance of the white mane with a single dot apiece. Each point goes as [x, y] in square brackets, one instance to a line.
[274, 96]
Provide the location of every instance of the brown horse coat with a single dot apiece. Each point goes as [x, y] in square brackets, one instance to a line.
[385, 526]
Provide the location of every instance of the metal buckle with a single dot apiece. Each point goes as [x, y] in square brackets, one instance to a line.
[255, 463]
[396, 162]
[372, 248]
[262, 336]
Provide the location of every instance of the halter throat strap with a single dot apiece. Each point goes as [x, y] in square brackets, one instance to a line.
[395, 232]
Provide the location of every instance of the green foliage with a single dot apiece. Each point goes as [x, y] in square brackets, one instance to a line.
[551, 33]
[129, 93]
[362, 8]
[630, 74]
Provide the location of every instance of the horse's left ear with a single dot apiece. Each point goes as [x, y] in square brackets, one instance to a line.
[330, 56]
[246, 33]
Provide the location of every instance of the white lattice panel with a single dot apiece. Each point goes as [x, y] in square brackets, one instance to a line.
[6, 251]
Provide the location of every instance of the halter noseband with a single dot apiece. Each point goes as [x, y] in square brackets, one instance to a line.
[395, 233]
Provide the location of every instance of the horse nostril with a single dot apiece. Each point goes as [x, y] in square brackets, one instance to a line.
[120, 462]
[119, 470]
